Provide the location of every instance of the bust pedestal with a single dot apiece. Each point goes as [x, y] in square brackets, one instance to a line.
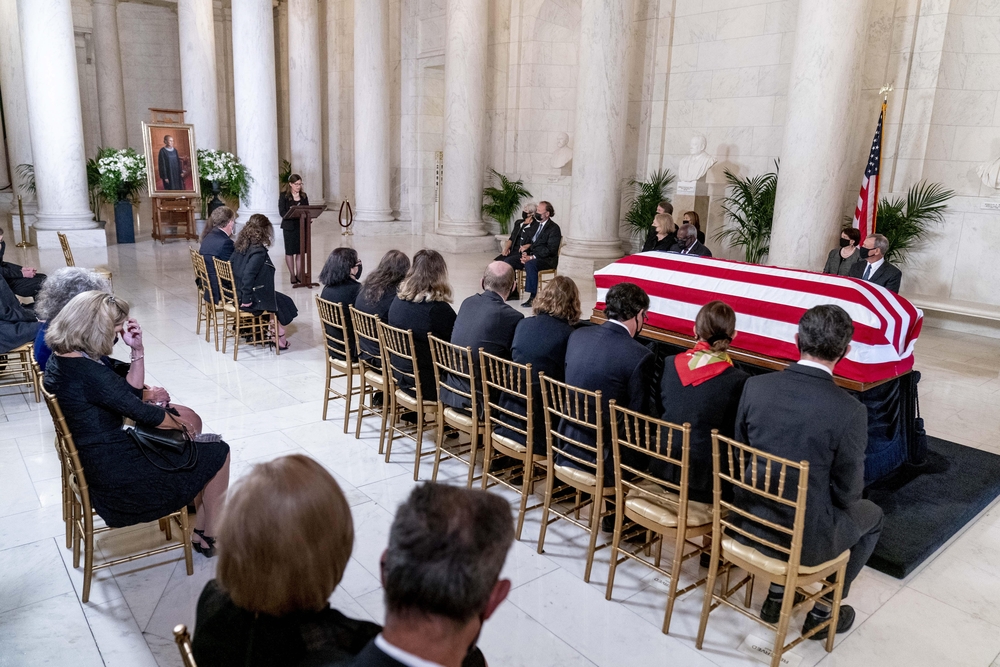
[692, 196]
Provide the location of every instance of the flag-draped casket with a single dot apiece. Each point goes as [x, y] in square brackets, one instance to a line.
[769, 302]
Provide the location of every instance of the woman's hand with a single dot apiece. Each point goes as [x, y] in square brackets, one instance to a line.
[132, 334]
[156, 395]
[245, 305]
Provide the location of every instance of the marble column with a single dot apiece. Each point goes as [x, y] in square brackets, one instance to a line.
[333, 92]
[592, 235]
[110, 85]
[199, 76]
[372, 168]
[822, 95]
[55, 120]
[465, 76]
[15, 108]
[305, 112]
[254, 90]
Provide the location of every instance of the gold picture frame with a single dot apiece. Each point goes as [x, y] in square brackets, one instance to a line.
[171, 160]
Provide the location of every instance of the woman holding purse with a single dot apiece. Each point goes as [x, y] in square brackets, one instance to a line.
[128, 483]
[254, 275]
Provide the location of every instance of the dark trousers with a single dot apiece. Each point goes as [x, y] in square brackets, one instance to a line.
[27, 287]
[868, 517]
[514, 259]
[531, 276]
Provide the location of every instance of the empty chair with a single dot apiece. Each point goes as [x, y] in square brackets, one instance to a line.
[102, 271]
[208, 309]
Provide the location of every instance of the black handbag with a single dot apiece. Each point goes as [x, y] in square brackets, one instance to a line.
[173, 446]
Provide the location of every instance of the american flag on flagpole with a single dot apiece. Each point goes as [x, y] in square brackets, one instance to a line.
[864, 214]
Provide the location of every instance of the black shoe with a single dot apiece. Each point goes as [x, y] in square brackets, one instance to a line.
[770, 611]
[514, 296]
[529, 302]
[378, 399]
[608, 523]
[206, 551]
[844, 622]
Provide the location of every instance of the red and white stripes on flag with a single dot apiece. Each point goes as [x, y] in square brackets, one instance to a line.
[865, 212]
[769, 302]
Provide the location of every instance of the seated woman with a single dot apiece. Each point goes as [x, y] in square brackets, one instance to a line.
[692, 218]
[254, 275]
[287, 536]
[422, 305]
[216, 241]
[377, 294]
[702, 387]
[663, 234]
[339, 278]
[846, 255]
[126, 487]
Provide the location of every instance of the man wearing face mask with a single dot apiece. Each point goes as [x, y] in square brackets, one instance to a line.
[801, 414]
[541, 252]
[874, 268]
[23, 280]
[609, 359]
[520, 239]
[688, 244]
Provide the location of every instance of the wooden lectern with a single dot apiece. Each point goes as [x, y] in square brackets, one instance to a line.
[305, 215]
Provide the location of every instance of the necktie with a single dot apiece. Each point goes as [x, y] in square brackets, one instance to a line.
[868, 272]
[537, 231]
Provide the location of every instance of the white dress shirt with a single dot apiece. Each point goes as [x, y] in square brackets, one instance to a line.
[814, 364]
[873, 267]
[399, 655]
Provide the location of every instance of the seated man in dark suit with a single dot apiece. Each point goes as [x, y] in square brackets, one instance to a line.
[876, 269]
[23, 280]
[524, 228]
[484, 321]
[800, 414]
[688, 244]
[441, 574]
[542, 253]
[609, 359]
[216, 241]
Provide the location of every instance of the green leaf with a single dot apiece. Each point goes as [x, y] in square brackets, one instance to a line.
[643, 198]
[504, 202]
[750, 208]
[905, 224]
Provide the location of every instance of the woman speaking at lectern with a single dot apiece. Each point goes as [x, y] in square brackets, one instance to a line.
[292, 195]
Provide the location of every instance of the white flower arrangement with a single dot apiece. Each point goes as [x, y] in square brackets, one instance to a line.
[226, 170]
[122, 173]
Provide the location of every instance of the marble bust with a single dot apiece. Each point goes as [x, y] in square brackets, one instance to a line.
[563, 154]
[696, 165]
[989, 172]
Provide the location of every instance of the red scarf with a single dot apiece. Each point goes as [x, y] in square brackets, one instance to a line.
[700, 364]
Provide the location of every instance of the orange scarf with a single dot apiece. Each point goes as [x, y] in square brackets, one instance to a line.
[700, 364]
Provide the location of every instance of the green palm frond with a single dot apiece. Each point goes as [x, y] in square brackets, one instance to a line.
[27, 174]
[750, 207]
[905, 224]
[643, 197]
[284, 173]
[505, 201]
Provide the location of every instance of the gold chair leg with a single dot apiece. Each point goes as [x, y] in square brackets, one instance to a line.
[186, 538]
[236, 337]
[347, 399]
[595, 525]
[385, 421]
[88, 564]
[274, 330]
[783, 622]
[329, 384]
[615, 547]
[838, 594]
[439, 443]
[420, 444]
[675, 573]
[392, 419]
[545, 508]
[527, 477]
[473, 453]
[713, 573]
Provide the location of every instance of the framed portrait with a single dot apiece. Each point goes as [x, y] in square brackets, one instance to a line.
[171, 160]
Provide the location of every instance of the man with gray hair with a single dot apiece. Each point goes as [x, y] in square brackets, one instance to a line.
[484, 321]
[876, 269]
[688, 243]
[441, 574]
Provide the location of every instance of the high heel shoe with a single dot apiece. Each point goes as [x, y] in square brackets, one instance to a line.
[206, 551]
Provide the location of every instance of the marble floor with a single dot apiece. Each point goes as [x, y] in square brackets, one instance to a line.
[946, 613]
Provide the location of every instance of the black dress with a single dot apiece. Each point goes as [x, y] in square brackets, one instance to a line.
[369, 350]
[254, 274]
[125, 487]
[290, 228]
[653, 243]
[426, 317]
[346, 293]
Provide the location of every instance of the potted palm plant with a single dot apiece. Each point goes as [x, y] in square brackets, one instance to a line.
[750, 208]
[122, 178]
[643, 198]
[905, 223]
[504, 202]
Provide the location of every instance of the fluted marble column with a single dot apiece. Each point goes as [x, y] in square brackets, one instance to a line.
[15, 105]
[254, 90]
[54, 117]
[305, 96]
[110, 86]
[199, 77]
[822, 94]
[372, 168]
[464, 119]
[592, 238]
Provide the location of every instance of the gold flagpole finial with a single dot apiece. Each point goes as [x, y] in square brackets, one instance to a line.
[885, 90]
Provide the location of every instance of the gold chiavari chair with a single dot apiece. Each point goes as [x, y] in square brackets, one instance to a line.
[17, 369]
[261, 329]
[183, 640]
[400, 364]
[653, 505]
[543, 278]
[208, 309]
[506, 386]
[64, 470]
[366, 333]
[578, 409]
[338, 355]
[102, 271]
[82, 514]
[778, 483]
[454, 372]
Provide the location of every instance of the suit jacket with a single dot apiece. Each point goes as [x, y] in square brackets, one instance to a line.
[699, 249]
[254, 275]
[838, 266]
[800, 414]
[372, 656]
[545, 248]
[426, 317]
[216, 244]
[608, 360]
[484, 321]
[346, 293]
[888, 276]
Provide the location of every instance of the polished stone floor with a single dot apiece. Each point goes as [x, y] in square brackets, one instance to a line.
[946, 613]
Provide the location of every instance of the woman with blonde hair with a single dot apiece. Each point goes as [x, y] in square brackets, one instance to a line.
[423, 304]
[127, 486]
[663, 234]
[254, 275]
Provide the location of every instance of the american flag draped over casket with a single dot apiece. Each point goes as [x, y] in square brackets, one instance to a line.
[769, 302]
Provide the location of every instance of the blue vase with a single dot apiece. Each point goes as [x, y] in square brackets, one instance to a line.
[124, 222]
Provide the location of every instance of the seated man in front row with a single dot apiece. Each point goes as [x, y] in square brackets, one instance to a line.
[799, 414]
[876, 268]
[542, 252]
[687, 242]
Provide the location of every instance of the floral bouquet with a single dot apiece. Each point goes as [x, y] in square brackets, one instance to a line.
[121, 174]
[222, 173]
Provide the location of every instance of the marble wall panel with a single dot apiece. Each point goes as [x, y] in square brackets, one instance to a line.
[977, 272]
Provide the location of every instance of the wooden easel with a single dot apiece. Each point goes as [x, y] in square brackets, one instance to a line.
[177, 213]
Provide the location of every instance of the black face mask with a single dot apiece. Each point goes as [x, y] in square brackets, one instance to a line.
[538, 217]
[844, 242]
[361, 267]
[865, 252]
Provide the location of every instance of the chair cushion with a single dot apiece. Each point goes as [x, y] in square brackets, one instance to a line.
[581, 477]
[508, 443]
[774, 566]
[20, 349]
[374, 378]
[411, 401]
[342, 365]
[658, 504]
[459, 419]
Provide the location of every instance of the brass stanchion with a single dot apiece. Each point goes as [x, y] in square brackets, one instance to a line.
[348, 221]
[24, 235]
